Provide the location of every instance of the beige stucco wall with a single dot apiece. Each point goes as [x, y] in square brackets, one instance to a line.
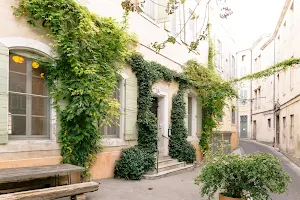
[286, 89]
[23, 153]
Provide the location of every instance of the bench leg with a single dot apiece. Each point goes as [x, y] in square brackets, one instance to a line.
[80, 197]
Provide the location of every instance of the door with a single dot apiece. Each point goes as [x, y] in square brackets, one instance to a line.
[277, 130]
[254, 130]
[156, 109]
[244, 126]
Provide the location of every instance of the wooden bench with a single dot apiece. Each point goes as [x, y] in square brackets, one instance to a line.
[76, 191]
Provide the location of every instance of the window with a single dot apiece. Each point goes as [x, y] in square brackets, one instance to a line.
[29, 105]
[190, 108]
[113, 130]
[219, 55]
[284, 126]
[233, 116]
[243, 97]
[233, 72]
[269, 123]
[192, 26]
[243, 57]
[259, 98]
[255, 95]
[174, 23]
[292, 127]
[149, 8]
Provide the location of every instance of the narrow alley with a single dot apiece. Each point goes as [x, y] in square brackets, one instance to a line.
[249, 147]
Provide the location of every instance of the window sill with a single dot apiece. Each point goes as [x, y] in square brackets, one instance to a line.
[29, 145]
[113, 142]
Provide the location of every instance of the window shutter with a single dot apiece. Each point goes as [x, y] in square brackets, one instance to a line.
[186, 117]
[199, 118]
[4, 70]
[162, 14]
[131, 95]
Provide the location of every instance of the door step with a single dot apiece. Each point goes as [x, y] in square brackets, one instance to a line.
[169, 172]
[167, 167]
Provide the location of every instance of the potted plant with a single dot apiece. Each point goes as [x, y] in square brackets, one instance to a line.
[253, 177]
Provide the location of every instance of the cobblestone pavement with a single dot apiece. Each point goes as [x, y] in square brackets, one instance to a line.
[294, 171]
[177, 187]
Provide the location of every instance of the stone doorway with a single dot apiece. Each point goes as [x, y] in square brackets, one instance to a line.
[159, 108]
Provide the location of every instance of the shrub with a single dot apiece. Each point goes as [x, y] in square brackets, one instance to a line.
[133, 163]
[188, 153]
[253, 176]
[179, 147]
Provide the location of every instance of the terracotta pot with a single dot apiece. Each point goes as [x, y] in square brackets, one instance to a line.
[221, 197]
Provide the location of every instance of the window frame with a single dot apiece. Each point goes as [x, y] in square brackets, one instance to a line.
[30, 57]
[292, 126]
[118, 127]
[269, 123]
[284, 126]
[233, 116]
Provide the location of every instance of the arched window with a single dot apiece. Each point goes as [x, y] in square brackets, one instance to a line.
[29, 102]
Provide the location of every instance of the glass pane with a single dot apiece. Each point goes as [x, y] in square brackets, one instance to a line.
[112, 130]
[17, 82]
[38, 126]
[17, 63]
[17, 104]
[39, 86]
[18, 125]
[39, 106]
[36, 70]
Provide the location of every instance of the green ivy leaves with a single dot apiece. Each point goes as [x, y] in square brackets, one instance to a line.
[90, 50]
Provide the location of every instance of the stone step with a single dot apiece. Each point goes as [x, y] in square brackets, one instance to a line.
[162, 168]
[164, 158]
[166, 162]
[169, 172]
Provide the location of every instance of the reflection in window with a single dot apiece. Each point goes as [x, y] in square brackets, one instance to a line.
[28, 99]
[112, 131]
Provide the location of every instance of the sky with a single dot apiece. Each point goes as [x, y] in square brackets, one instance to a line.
[251, 19]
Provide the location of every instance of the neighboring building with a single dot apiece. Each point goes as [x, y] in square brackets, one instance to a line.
[244, 101]
[32, 125]
[225, 62]
[276, 99]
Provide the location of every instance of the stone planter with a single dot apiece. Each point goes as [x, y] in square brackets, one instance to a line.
[221, 197]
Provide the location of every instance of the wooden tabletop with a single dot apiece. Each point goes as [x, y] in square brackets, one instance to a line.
[29, 173]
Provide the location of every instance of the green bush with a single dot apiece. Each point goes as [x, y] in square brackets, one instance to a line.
[133, 163]
[179, 147]
[253, 176]
[188, 153]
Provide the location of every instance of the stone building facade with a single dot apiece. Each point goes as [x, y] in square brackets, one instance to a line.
[29, 125]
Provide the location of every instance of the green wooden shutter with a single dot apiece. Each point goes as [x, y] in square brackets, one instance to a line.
[162, 14]
[4, 71]
[131, 94]
[199, 118]
[186, 117]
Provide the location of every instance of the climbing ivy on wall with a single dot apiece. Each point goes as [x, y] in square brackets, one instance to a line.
[281, 66]
[179, 147]
[213, 93]
[148, 73]
[89, 52]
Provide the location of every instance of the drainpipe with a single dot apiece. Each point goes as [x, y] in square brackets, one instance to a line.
[274, 101]
[251, 99]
